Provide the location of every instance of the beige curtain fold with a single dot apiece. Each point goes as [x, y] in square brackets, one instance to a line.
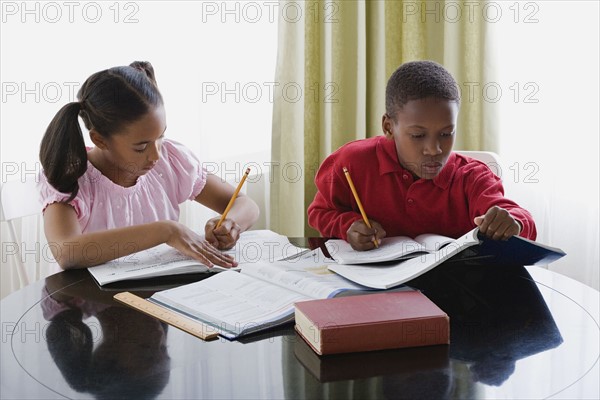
[339, 54]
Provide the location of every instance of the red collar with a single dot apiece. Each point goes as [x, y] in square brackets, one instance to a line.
[387, 158]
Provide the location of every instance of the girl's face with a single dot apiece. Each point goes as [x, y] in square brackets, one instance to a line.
[136, 149]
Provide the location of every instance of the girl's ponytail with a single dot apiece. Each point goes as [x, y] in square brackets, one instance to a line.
[62, 151]
[110, 100]
[146, 68]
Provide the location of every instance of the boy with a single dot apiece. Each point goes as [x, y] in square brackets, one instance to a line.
[409, 181]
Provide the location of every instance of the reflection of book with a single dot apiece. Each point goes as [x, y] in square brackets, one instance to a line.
[351, 366]
[390, 248]
[259, 297]
[164, 260]
[514, 251]
[372, 322]
[497, 316]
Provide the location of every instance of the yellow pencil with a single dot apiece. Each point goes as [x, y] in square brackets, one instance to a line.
[360, 206]
[237, 190]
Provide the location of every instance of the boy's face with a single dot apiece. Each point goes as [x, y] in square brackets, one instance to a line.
[423, 131]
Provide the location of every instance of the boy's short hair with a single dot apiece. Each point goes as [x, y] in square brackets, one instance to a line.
[417, 80]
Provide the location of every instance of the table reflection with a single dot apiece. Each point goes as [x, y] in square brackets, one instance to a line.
[106, 350]
[497, 316]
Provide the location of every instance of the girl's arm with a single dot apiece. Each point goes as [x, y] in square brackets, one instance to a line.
[244, 213]
[73, 249]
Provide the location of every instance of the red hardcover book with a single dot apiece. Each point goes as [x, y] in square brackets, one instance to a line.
[371, 322]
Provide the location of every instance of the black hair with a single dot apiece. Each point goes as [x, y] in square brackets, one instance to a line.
[108, 100]
[98, 371]
[418, 80]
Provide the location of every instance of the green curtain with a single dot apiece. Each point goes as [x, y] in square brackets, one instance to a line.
[333, 62]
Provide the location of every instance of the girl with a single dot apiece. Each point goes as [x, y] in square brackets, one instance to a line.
[123, 195]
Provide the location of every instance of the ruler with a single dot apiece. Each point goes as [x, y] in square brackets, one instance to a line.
[190, 326]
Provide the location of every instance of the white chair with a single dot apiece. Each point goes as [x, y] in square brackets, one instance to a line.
[491, 159]
[19, 199]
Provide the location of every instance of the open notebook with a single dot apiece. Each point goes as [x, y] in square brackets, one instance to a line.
[252, 247]
[471, 246]
[259, 297]
[390, 248]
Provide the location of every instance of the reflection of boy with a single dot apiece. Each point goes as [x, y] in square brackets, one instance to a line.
[409, 181]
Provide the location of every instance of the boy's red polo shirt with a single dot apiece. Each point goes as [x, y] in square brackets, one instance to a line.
[447, 204]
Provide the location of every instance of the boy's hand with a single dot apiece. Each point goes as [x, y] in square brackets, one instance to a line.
[361, 237]
[225, 236]
[497, 223]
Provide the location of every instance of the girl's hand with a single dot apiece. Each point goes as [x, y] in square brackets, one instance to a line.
[193, 245]
[497, 223]
[361, 237]
[225, 236]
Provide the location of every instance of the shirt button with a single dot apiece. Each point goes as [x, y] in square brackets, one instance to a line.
[405, 177]
[410, 201]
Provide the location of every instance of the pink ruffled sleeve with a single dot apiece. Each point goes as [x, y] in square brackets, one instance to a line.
[49, 195]
[51, 308]
[188, 173]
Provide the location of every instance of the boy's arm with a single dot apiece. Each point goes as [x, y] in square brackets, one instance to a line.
[485, 190]
[330, 212]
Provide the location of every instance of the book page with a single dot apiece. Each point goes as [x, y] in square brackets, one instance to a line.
[392, 248]
[262, 245]
[252, 247]
[433, 242]
[260, 296]
[384, 277]
[307, 275]
[156, 261]
[232, 302]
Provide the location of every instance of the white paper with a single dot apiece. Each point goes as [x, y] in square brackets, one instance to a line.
[252, 247]
[262, 294]
[384, 277]
[390, 248]
[308, 275]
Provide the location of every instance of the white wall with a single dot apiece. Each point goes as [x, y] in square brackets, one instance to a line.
[547, 68]
[214, 64]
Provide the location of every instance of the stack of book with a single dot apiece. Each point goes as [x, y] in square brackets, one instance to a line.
[371, 322]
[268, 288]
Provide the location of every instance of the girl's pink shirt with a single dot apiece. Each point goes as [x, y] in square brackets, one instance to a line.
[101, 204]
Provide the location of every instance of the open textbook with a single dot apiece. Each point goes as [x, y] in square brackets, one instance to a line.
[471, 246]
[161, 260]
[260, 296]
[390, 248]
